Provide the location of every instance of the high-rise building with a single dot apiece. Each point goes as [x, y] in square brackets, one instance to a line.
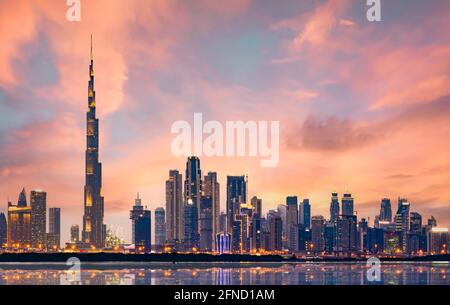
[305, 214]
[363, 227]
[211, 188]
[346, 235]
[402, 222]
[193, 183]
[143, 231]
[282, 212]
[38, 203]
[334, 207]
[275, 232]
[257, 206]
[135, 213]
[94, 230]
[329, 236]
[347, 205]
[386, 210]
[160, 227]
[438, 241]
[318, 233]
[375, 240]
[256, 236]
[236, 195]
[74, 234]
[222, 222]
[292, 222]
[54, 228]
[3, 230]
[174, 207]
[206, 224]
[415, 222]
[191, 236]
[19, 223]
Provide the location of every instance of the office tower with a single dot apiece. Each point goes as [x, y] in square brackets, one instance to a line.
[193, 182]
[415, 222]
[386, 210]
[174, 207]
[135, 213]
[94, 230]
[211, 188]
[329, 236]
[375, 240]
[304, 238]
[38, 203]
[438, 241]
[305, 214]
[74, 233]
[257, 206]
[222, 222]
[236, 194]
[160, 227]
[292, 222]
[3, 230]
[223, 243]
[236, 236]
[402, 222]
[191, 236]
[256, 229]
[347, 205]
[282, 212]
[19, 224]
[346, 235]
[143, 232]
[363, 226]
[275, 232]
[318, 233]
[54, 231]
[206, 224]
[432, 222]
[334, 207]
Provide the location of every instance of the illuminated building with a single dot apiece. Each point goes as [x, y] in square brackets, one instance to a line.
[402, 223]
[329, 236]
[375, 240]
[191, 236]
[318, 233]
[236, 194]
[292, 223]
[19, 223]
[94, 230]
[160, 227]
[275, 231]
[282, 212]
[38, 203]
[54, 231]
[211, 188]
[223, 243]
[334, 207]
[206, 224]
[3, 230]
[346, 235]
[347, 205]
[236, 236]
[386, 210]
[305, 214]
[363, 226]
[174, 207]
[143, 232]
[256, 236]
[193, 182]
[304, 238]
[438, 241]
[135, 213]
[257, 206]
[222, 222]
[74, 233]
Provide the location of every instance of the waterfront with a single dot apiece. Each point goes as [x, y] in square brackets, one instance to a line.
[392, 273]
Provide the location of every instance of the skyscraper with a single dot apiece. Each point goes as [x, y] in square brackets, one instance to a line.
[206, 224]
[346, 235]
[143, 232]
[386, 210]
[402, 222]
[3, 230]
[174, 207]
[211, 188]
[54, 229]
[19, 223]
[191, 236]
[305, 214]
[135, 213]
[236, 194]
[318, 233]
[292, 222]
[334, 207]
[74, 233]
[160, 227]
[257, 206]
[347, 205]
[275, 232]
[94, 230]
[193, 182]
[38, 203]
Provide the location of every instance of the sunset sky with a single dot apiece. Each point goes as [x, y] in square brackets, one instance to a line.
[364, 107]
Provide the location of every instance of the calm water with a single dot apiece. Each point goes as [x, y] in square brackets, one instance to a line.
[224, 274]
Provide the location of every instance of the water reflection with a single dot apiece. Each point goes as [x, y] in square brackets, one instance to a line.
[224, 274]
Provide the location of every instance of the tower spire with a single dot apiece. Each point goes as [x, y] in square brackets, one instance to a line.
[92, 57]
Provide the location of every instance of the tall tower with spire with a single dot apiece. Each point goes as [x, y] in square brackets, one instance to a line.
[94, 230]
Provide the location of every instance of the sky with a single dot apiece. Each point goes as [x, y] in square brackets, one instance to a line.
[364, 107]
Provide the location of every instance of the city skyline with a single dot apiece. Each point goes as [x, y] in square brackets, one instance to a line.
[375, 141]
